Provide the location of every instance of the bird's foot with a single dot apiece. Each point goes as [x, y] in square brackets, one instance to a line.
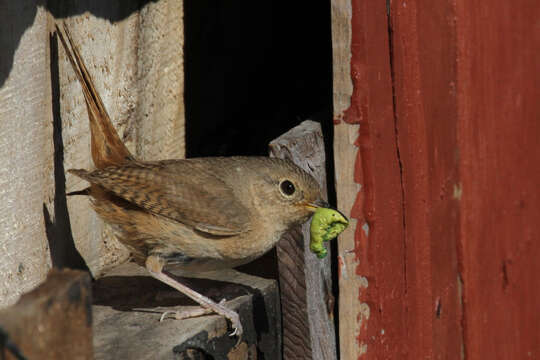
[235, 323]
[232, 316]
[188, 314]
[154, 266]
[217, 308]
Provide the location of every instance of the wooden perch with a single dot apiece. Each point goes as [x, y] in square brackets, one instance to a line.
[305, 281]
[128, 304]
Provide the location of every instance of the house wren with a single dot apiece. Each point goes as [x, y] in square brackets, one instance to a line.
[190, 215]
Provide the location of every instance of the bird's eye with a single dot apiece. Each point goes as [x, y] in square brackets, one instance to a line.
[287, 187]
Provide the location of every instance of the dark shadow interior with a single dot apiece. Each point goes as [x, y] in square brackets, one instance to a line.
[253, 70]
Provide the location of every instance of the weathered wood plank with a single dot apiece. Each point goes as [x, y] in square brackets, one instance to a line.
[53, 321]
[26, 148]
[128, 51]
[466, 128]
[128, 304]
[499, 166]
[371, 250]
[129, 48]
[425, 80]
[306, 282]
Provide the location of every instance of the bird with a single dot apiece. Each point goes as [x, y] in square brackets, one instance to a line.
[189, 216]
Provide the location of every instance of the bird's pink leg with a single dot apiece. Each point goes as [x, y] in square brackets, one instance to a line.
[155, 266]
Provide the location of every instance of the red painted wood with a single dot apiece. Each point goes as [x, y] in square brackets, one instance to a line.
[379, 250]
[452, 256]
[499, 137]
[424, 66]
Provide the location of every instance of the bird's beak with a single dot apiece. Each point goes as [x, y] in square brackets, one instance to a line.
[313, 206]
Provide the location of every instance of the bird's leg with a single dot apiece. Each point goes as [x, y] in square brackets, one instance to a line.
[155, 266]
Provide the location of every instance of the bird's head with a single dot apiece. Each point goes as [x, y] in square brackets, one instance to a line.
[284, 194]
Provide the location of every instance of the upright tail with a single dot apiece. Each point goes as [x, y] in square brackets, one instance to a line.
[107, 147]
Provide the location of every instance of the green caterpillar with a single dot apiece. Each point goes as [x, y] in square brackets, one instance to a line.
[326, 224]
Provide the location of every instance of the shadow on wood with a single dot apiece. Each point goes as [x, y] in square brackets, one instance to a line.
[129, 303]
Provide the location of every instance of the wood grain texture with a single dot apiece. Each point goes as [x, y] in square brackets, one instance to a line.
[457, 277]
[499, 192]
[306, 283]
[137, 65]
[293, 294]
[425, 71]
[26, 149]
[134, 52]
[368, 186]
[128, 304]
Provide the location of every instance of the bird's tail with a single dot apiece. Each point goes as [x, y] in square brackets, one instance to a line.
[107, 147]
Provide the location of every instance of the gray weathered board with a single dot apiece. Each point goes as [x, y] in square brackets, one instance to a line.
[134, 52]
[128, 304]
[305, 281]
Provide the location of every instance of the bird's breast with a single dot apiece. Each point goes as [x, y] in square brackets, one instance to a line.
[193, 250]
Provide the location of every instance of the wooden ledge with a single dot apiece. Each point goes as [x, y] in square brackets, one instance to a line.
[128, 304]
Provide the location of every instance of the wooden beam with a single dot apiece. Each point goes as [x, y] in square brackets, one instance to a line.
[305, 281]
[128, 304]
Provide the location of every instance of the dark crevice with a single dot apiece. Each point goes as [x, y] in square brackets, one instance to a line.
[62, 247]
[461, 304]
[396, 132]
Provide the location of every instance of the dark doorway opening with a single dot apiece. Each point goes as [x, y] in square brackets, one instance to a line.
[253, 70]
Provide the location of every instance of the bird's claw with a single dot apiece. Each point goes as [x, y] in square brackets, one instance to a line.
[231, 315]
[164, 315]
[236, 325]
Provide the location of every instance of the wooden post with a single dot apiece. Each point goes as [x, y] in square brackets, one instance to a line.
[53, 321]
[305, 281]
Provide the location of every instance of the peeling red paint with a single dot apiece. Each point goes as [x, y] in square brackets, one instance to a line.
[449, 179]
[376, 169]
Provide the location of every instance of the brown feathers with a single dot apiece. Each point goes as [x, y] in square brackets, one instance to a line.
[107, 148]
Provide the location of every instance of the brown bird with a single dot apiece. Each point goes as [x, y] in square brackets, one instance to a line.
[189, 215]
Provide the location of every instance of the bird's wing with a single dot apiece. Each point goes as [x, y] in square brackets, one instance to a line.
[180, 190]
